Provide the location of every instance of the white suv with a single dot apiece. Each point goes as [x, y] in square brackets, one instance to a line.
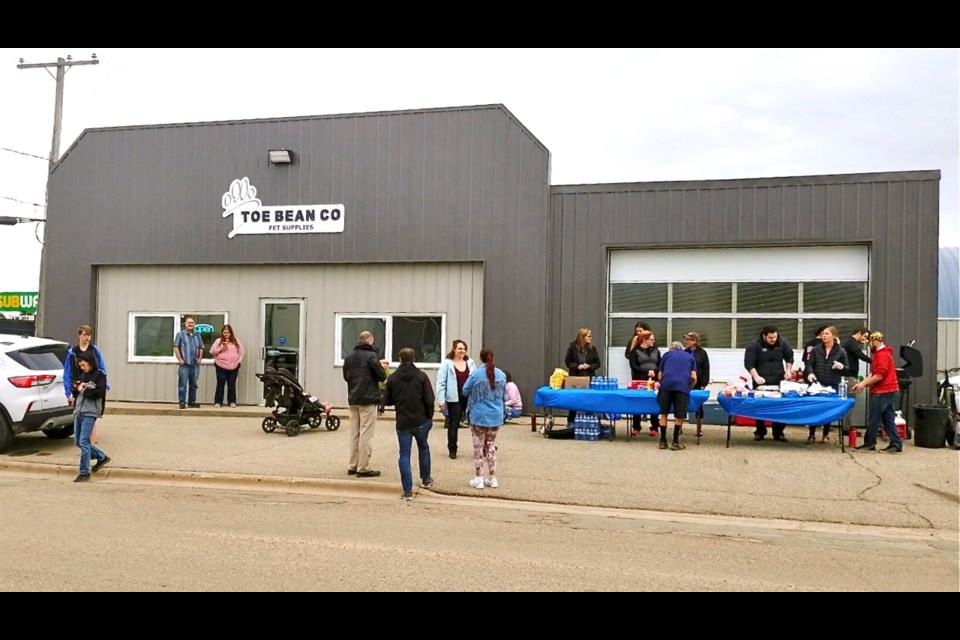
[31, 388]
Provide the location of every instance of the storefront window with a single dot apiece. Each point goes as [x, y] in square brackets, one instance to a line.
[151, 335]
[208, 326]
[391, 333]
[420, 333]
[352, 326]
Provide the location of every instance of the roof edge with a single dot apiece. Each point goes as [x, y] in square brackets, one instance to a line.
[337, 116]
[732, 183]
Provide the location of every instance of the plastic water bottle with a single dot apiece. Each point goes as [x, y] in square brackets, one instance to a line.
[842, 388]
[594, 428]
[578, 426]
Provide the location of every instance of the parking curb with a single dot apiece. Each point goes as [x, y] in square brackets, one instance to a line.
[358, 487]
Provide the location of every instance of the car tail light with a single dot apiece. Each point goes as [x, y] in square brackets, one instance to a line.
[25, 382]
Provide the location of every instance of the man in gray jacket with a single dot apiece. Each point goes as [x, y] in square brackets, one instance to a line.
[363, 372]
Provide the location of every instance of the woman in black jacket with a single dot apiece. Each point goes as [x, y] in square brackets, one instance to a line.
[87, 408]
[827, 365]
[582, 359]
[645, 365]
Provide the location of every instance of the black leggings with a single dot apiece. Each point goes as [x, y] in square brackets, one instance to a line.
[454, 414]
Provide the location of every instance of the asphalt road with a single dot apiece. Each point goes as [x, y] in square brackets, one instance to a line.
[205, 500]
[124, 533]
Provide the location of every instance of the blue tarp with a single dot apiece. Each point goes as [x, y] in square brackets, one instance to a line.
[630, 401]
[808, 410]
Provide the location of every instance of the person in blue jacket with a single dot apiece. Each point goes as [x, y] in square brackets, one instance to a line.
[486, 389]
[453, 373]
[71, 370]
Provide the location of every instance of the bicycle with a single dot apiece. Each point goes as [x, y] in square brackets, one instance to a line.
[947, 397]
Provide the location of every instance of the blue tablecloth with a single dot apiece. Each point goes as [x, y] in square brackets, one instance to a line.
[630, 401]
[803, 410]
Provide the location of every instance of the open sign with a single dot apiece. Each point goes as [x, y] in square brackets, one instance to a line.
[204, 328]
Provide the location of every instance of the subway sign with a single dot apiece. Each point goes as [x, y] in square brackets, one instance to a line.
[19, 302]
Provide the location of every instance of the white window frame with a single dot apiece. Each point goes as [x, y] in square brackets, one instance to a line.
[388, 333]
[175, 315]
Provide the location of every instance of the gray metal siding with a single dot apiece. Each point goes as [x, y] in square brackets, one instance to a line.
[445, 185]
[453, 289]
[948, 352]
[896, 214]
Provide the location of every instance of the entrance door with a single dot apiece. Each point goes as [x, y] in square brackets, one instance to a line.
[282, 335]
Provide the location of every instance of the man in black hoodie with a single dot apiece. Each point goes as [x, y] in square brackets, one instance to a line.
[854, 349]
[410, 391]
[363, 371]
[764, 359]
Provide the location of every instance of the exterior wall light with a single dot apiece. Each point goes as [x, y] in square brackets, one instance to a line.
[280, 156]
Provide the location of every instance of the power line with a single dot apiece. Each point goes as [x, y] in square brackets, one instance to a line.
[62, 66]
[23, 153]
[23, 201]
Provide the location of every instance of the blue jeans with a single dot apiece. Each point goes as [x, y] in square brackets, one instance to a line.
[82, 428]
[187, 376]
[405, 437]
[510, 413]
[881, 409]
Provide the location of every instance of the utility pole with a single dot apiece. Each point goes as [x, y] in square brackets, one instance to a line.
[62, 66]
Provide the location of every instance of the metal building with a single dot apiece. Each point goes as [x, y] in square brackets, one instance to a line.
[436, 224]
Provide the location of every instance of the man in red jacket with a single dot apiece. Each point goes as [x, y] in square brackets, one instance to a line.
[883, 395]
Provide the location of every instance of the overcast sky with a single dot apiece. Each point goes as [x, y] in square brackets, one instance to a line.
[605, 115]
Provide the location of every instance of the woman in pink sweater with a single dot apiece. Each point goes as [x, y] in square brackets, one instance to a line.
[513, 404]
[228, 356]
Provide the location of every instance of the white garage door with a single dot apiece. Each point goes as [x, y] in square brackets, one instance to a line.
[727, 295]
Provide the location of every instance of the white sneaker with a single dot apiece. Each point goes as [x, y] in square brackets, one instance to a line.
[492, 483]
[477, 483]
[216, 406]
[233, 404]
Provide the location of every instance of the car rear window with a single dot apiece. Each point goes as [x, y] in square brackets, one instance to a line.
[43, 358]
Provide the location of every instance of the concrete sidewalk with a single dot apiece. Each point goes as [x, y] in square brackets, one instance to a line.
[792, 481]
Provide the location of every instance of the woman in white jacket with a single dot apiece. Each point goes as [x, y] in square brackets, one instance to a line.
[453, 372]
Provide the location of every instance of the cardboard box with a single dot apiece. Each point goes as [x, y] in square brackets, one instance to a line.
[576, 382]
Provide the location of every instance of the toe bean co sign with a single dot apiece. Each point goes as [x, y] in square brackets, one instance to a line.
[251, 216]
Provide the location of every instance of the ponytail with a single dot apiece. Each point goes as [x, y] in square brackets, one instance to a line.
[486, 356]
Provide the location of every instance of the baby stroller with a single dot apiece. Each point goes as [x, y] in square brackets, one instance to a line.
[292, 406]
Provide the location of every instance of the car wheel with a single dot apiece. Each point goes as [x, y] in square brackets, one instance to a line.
[59, 433]
[6, 434]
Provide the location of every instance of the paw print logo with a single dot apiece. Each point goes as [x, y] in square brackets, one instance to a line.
[241, 195]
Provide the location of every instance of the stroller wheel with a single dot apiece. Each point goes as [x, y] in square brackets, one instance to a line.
[269, 425]
[292, 428]
[333, 423]
[315, 422]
